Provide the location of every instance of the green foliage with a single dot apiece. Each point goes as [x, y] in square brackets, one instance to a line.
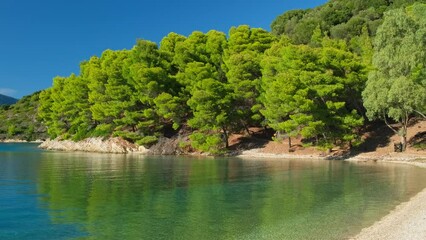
[81, 132]
[286, 23]
[147, 141]
[396, 88]
[312, 92]
[171, 109]
[242, 61]
[129, 136]
[102, 130]
[211, 143]
[211, 105]
[11, 130]
[214, 85]
[108, 89]
[19, 121]
[342, 19]
[115, 95]
[363, 46]
[205, 91]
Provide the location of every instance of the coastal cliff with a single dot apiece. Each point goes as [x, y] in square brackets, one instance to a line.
[111, 145]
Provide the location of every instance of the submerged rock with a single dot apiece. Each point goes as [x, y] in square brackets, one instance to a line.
[110, 145]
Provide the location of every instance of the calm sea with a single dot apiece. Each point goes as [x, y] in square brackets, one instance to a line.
[58, 195]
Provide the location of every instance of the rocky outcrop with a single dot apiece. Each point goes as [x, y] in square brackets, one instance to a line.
[167, 146]
[13, 141]
[111, 145]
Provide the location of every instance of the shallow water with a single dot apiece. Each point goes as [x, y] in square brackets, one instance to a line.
[57, 195]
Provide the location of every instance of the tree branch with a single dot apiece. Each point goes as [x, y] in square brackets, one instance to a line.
[407, 118]
[387, 124]
[420, 113]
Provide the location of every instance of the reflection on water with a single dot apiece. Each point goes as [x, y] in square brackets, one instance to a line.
[100, 196]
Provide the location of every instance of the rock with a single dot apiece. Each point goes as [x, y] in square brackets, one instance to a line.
[110, 145]
[166, 146]
[13, 141]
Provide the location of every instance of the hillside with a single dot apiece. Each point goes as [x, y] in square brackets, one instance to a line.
[378, 143]
[5, 100]
[19, 121]
[342, 19]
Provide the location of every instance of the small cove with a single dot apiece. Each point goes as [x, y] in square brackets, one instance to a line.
[58, 195]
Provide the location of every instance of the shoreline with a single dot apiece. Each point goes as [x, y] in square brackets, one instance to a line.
[356, 157]
[406, 221]
[95, 144]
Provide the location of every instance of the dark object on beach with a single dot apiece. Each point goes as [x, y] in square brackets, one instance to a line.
[397, 147]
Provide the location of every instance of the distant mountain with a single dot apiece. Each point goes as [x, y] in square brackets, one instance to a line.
[5, 100]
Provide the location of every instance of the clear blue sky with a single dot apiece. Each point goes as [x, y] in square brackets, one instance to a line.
[46, 38]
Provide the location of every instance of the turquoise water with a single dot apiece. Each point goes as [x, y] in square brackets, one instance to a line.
[57, 195]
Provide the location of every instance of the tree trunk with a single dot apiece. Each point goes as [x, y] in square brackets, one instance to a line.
[289, 143]
[247, 130]
[404, 142]
[404, 131]
[225, 135]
